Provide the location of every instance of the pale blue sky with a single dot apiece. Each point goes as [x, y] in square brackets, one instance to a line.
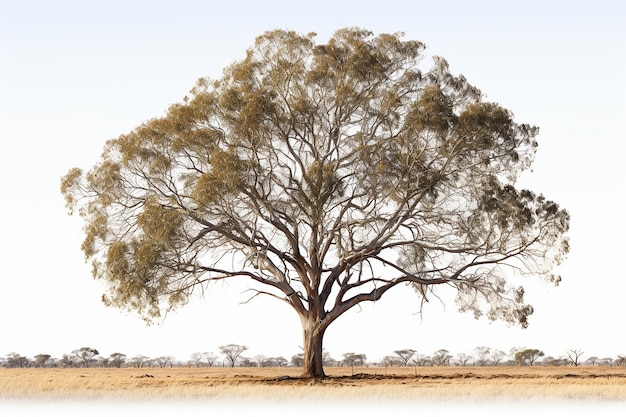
[74, 74]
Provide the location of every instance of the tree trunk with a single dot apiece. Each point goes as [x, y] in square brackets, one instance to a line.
[313, 357]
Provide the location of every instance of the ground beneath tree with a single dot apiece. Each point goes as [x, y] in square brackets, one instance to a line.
[284, 384]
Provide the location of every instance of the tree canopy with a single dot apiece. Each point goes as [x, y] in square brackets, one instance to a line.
[326, 174]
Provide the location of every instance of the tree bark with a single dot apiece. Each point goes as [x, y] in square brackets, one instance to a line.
[313, 333]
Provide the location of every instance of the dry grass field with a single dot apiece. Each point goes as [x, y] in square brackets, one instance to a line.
[439, 383]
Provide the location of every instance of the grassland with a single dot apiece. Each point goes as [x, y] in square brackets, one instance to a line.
[425, 383]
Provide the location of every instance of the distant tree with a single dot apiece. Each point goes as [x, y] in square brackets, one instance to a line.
[140, 361]
[103, 362]
[405, 355]
[422, 360]
[281, 361]
[328, 360]
[267, 362]
[482, 355]
[620, 360]
[310, 166]
[196, 359]
[117, 359]
[607, 361]
[164, 361]
[527, 356]
[463, 359]
[297, 359]
[574, 356]
[392, 360]
[84, 355]
[260, 359]
[246, 362]
[551, 361]
[210, 358]
[15, 360]
[351, 359]
[41, 359]
[592, 360]
[497, 356]
[232, 353]
[67, 361]
[441, 357]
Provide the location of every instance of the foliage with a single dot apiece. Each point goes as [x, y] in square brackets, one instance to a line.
[441, 357]
[327, 174]
[41, 359]
[15, 360]
[117, 359]
[297, 359]
[527, 356]
[84, 355]
[232, 353]
[140, 361]
[482, 355]
[574, 356]
[405, 355]
[352, 359]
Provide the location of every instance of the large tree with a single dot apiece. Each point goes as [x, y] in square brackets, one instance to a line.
[327, 175]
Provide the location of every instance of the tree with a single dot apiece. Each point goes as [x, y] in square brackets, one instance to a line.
[327, 359]
[574, 356]
[232, 353]
[268, 362]
[41, 359]
[259, 359]
[84, 355]
[246, 362]
[210, 358]
[482, 355]
[103, 362]
[117, 359]
[405, 355]
[352, 359]
[392, 360]
[527, 356]
[298, 359]
[327, 174]
[497, 355]
[15, 360]
[441, 357]
[281, 361]
[67, 361]
[164, 361]
[140, 361]
[464, 358]
[422, 360]
[606, 361]
[196, 359]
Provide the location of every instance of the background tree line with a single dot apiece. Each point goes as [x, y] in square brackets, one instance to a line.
[232, 355]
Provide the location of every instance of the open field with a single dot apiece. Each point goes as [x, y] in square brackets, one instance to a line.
[424, 383]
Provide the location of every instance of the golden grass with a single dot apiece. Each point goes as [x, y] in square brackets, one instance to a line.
[424, 383]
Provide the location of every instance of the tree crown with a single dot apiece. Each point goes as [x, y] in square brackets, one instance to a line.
[329, 173]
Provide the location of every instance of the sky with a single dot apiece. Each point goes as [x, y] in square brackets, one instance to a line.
[74, 74]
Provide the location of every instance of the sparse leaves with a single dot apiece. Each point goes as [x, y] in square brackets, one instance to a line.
[316, 167]
[232, 352]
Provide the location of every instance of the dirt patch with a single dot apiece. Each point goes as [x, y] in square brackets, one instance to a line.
[373, 379]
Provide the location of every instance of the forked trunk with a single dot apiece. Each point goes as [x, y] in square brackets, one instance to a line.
[313, 357]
